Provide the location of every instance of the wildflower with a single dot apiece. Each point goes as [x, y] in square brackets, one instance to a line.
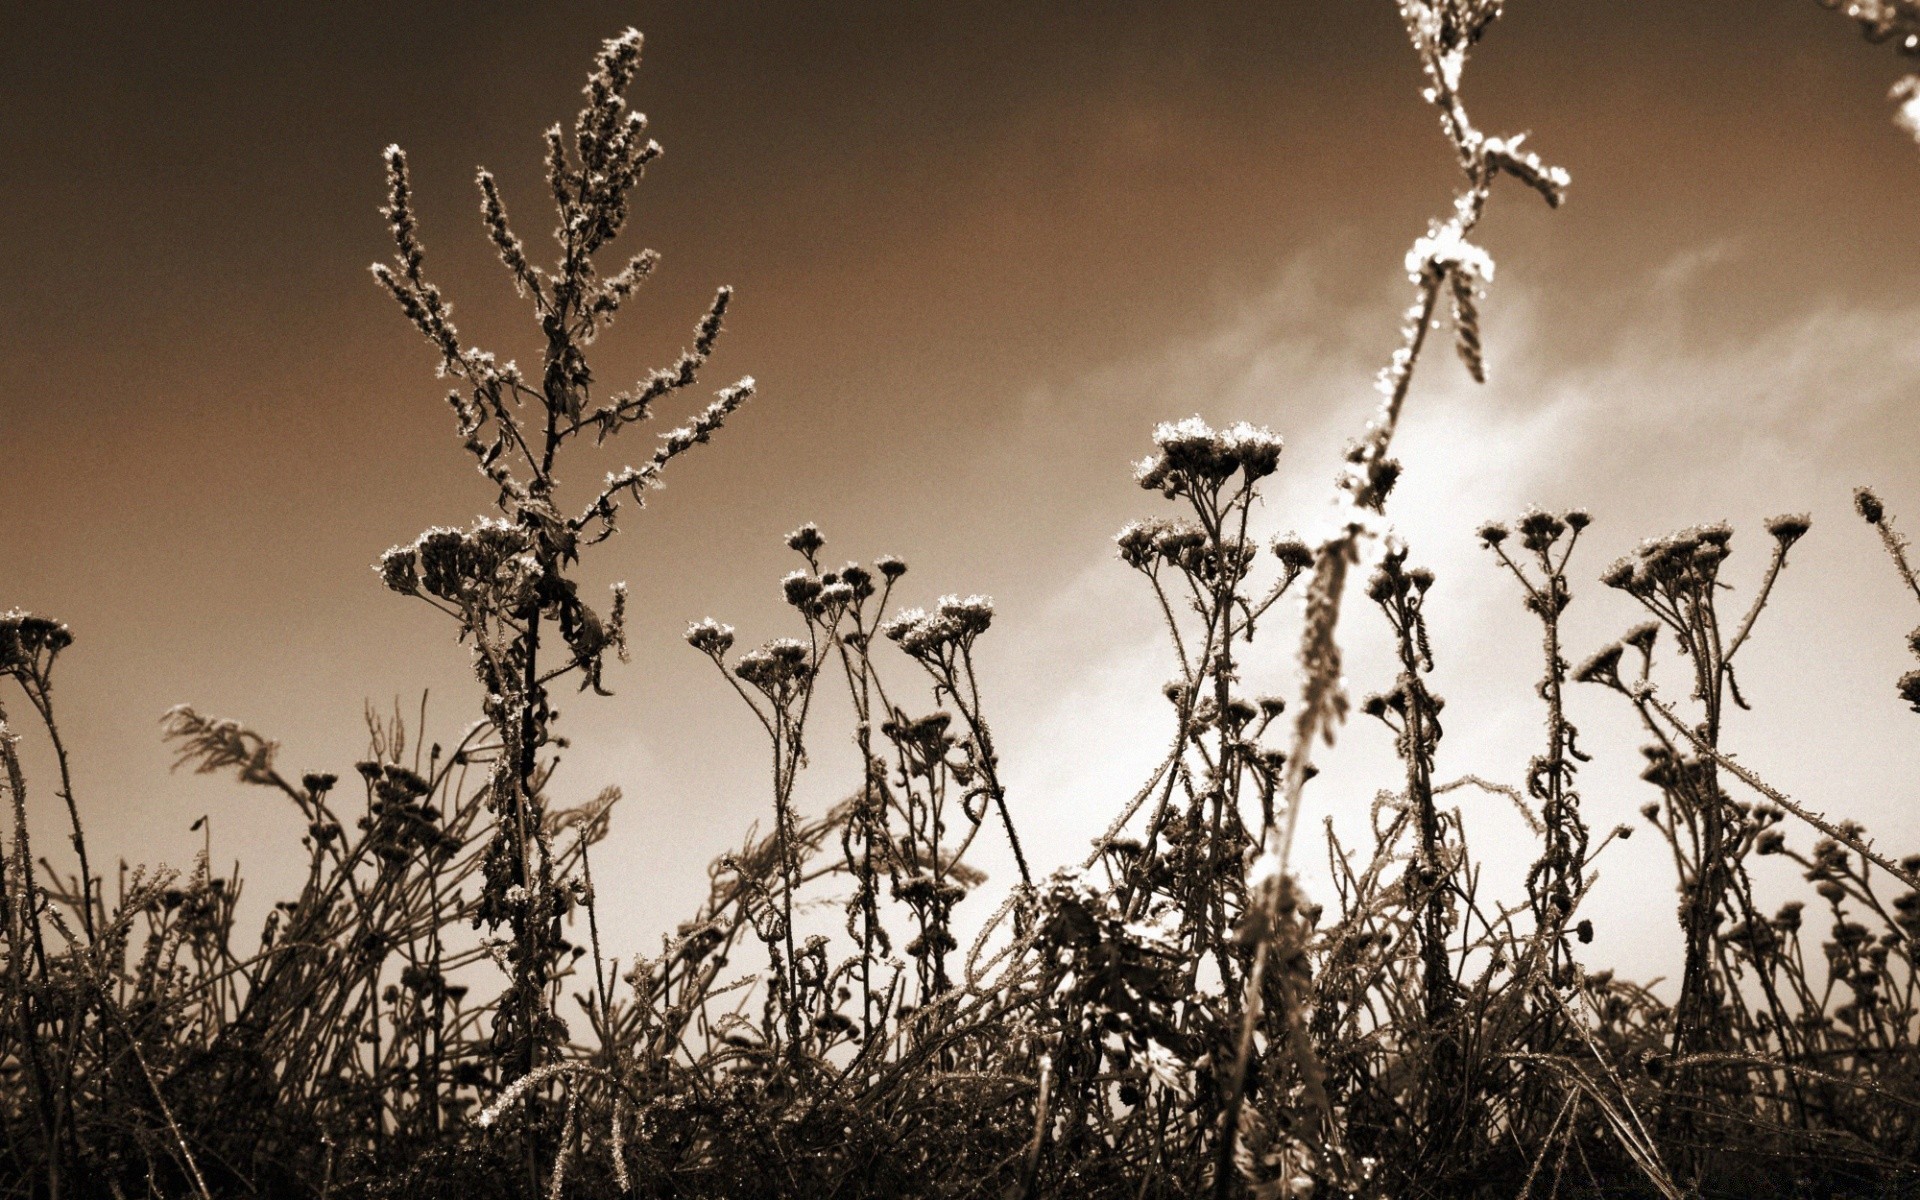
[1577, 519]
[1603, 667]
[1136, 542]
[1192, 447]
[774, 666]
[1619, 574]
[858, 579]
[1788, 528]
[1292, 552]
[1641, 636]
[801, 588]
[399, 569]
[1910, 689]
[1176, 541]
[1868, 505]
[1193, 456]
[710, 637]
[953, 623]
[1190, 453]
[890, 568]
[24, 638]
[1493, 533]
[904, 623]
[1384, 585]
[1539, 530]
[806, 539]
[1256, 450]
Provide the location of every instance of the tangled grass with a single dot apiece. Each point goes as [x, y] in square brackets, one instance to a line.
[432, 1014]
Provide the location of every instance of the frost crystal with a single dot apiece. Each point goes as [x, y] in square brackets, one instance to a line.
[1907, 94]
[1444, 249]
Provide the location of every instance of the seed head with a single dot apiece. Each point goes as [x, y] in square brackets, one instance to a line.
[1539, 530]
[1292, 552]
[25, 638]
[1619, 573]
[1910, 689]
[1641, 636]
[1603, 667]
[710, 637]
[800, 588]
[806, 539]
[399, 569]
[1788, 528]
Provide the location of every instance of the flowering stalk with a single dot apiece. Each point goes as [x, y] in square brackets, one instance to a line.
[1441, 31]
[1555, 880]
[1875, 514]
[505, 580]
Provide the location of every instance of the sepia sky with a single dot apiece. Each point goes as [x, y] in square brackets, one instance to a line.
[979, 250]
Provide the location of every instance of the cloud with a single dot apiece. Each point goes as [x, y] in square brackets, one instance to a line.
[1665, 420]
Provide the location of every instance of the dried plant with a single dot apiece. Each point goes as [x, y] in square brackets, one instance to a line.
[432, 1013]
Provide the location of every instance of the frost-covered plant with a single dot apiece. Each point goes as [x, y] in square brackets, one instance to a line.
[506, 581]
[1896, 22]
[1539, 563]
[1170, 1017]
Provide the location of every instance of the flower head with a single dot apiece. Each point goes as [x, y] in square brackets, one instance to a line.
[1910, 689]
[1540, 530]
[800, 588]
[1192, 456]
[399, 569]
[710, 637]
[806, 539]
[1256, 450]
[1603, 667]
[954, 623]
[28, 643]
[775, 668]
[1292, 552]
[1788, 528]
[1641, 636]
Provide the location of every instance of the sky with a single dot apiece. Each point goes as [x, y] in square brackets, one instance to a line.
[979, 251]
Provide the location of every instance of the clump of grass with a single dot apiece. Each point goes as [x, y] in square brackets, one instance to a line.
[1172, 1016]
